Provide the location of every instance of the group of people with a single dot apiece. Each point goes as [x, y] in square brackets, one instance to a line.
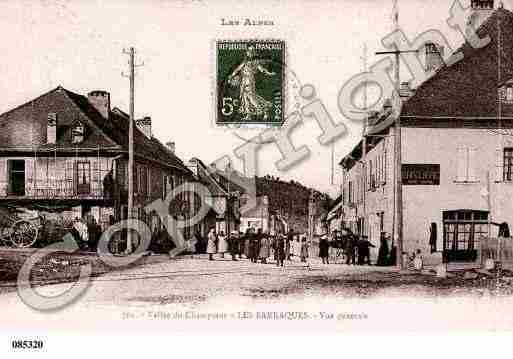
[355, 248]
[86, 232]
[257, 246]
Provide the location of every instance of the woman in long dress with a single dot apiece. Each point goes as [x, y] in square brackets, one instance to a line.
[222, 246]
[304, 250]
[211, 244]
[265, 250]
[251, 103]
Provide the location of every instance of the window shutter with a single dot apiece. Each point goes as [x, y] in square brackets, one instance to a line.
[29, 176]
[385, 168]
[472, 169]
[69, 177]
[462, 164]
[96, 171]
[4, 182]
[499, 159]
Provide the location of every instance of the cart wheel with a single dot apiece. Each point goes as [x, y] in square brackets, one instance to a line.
[24, 234]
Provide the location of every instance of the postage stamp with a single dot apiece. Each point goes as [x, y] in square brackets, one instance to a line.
[250, 82]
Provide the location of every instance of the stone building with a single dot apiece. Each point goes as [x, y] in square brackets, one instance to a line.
[456, 149]
[67, 153]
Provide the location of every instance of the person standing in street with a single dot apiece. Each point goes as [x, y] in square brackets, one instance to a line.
[304, 250]
[324, 249]
[383, 252]
[95, 232]
[258, 243]
[222, 246]
[264, 248]
[242, 242]
[279, 249]
[252, 245]
[350, 249]
[211, 244]
[233, 243]
[363, 246]
[288, 243]
[247, 243]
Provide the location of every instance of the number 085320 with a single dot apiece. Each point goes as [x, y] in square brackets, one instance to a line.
[27, 344]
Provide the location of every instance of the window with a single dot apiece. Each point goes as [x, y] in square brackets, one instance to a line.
[466, 166]
[350, 190]
[508, 164]
[509, 93]
[51, 128]
[371, 174]
[77, 134]
[462, 230]
[165, 181]
[16, 177]
[83, 176]
[148, 181]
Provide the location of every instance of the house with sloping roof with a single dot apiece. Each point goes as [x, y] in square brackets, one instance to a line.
[224, 190]
[456, 154]
[68, 153]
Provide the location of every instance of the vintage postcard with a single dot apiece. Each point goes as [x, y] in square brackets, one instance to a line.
[233, 167]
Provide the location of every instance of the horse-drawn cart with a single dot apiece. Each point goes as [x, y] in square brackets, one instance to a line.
[19, 228]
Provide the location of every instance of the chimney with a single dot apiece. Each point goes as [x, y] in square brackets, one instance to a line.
[434, 57]
[171, 146]
[144, 124]
[51, 128]
[480, 10]
[101, 101]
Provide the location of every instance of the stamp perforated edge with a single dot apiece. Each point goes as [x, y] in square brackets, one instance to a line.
[213, 88]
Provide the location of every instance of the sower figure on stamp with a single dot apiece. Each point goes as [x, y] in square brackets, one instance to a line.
[251, 104]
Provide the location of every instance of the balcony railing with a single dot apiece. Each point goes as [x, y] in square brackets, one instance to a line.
[54, 189]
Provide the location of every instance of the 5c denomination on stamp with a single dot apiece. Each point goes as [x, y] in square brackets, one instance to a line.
[250, 82]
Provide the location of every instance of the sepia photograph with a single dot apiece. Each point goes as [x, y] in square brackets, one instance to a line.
[310, 170]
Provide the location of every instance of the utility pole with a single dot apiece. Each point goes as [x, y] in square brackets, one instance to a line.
[364, 143]
[131, 76]
[398, 213]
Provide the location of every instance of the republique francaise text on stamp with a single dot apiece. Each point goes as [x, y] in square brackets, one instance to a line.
[250, 82]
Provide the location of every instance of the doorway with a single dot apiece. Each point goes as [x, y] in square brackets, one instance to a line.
[16, 177]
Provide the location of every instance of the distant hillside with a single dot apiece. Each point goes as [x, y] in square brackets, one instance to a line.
[290, 200]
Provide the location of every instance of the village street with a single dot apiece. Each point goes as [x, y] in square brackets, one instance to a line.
[188, 292]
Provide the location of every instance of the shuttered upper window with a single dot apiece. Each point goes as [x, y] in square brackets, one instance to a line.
[508, 164]
[466, 165]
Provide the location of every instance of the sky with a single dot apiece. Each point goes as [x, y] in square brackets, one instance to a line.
[79, 45]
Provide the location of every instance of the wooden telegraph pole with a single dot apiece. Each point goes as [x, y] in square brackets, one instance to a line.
[131, 76]
[397, 147]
